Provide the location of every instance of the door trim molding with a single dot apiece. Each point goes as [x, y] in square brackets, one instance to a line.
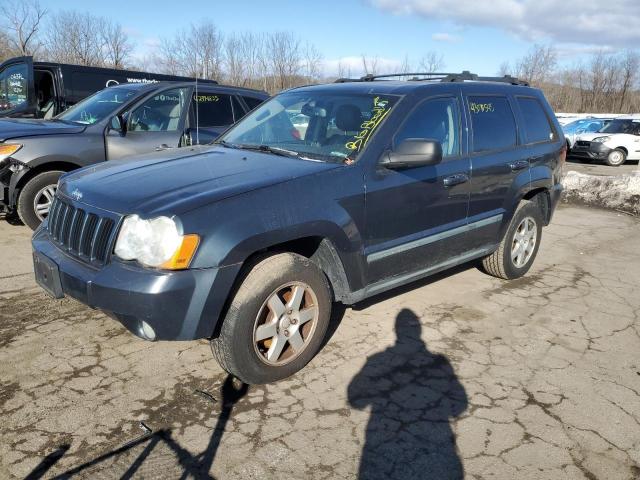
[403, 247]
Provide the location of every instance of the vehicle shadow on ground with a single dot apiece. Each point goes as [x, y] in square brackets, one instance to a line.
[195, 466]
[413, 395]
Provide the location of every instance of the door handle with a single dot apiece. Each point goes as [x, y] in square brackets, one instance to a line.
[455, 179]
[519, 165]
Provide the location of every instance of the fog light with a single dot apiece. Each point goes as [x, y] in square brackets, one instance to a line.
[146, 331]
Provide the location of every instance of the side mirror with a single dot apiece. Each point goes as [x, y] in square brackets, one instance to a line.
[119, 124]
[413, 152]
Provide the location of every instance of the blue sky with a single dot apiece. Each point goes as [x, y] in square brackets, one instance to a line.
[471, 34]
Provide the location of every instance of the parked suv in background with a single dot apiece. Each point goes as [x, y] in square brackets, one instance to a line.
[117, 122]
[31, 89]
[250, 243]
[615, 143]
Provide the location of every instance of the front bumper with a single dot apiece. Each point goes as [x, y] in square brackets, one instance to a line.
[181, 305]
[593, 151]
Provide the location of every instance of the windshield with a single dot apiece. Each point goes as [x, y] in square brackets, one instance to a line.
[98, 106]
[621, 126]
[575, 125]
[312, 125]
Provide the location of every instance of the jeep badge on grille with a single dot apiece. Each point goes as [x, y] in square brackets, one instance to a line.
[76, 194]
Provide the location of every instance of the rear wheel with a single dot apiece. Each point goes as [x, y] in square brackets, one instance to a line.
[36, 198]
[276, 321]
[519, 247]
[616, 157]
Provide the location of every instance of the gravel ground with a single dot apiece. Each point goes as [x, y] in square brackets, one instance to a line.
[464, 374]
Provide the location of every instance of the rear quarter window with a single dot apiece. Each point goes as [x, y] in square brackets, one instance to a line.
[252, 102]
[536, 124]
[493, 123]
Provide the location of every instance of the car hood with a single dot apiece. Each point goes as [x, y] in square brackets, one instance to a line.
[179, 180]
[23, 127]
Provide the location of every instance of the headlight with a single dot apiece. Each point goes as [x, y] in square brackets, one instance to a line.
[601, 139]
[7, 150]
[155, 243]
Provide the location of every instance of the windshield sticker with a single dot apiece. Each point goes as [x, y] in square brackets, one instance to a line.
[378, 113]
[481, 107]
[206, 98]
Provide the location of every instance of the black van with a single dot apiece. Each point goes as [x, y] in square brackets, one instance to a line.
[31, 89]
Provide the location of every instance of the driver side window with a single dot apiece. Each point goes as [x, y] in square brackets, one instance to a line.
[436, 119]
[160, 113]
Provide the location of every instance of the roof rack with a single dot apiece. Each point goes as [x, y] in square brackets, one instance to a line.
[439, 77]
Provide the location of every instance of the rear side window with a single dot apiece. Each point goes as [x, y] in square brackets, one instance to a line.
[252, 102]
[213, 109]
[494, 126]
[536, 123]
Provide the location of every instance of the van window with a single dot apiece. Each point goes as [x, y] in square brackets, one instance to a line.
[436, 119]
[536, 123]
[160, 113]
[13, 87]
[252, 102]
[214, 109]
[494, 126]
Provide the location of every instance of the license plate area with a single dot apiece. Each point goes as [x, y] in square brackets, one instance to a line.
[47, 275]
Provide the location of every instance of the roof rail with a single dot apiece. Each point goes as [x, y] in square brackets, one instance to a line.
[437, 76]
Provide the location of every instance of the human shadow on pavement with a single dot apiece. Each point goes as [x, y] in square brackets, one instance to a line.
[413, 395]
[192, 466]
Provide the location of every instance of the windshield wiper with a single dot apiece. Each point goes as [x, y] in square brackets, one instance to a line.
[283, 152]
[226, 144]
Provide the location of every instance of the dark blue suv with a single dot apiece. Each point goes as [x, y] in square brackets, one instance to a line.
[327, 193]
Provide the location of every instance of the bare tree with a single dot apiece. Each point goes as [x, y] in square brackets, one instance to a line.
[195, 52]
[312, 60]
[405, 66]
[75, 37]
[431, 62]
[23, 21]
[538, 65]
[285, 58]
[630, 68]
[116, 44]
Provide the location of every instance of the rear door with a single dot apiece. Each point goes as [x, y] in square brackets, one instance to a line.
[212, 112]
[17, 93]
[155, 123]
[416, 217]
[496, 163]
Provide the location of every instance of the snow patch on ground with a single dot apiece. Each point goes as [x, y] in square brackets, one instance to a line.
[619, 192]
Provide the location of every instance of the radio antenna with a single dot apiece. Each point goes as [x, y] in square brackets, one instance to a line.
[197, 102]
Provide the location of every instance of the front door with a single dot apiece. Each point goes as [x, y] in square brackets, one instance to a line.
[17, 95]
[416, 216]
[156, 123]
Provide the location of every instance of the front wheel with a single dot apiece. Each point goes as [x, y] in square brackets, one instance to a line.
[519, 247]
[36, 198]
[276, 321]
[616, 158]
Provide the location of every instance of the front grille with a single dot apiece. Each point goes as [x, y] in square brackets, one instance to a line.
[583, 143]
[81, 233]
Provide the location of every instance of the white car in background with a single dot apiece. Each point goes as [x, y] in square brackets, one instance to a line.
[578, 127]
[616, 143]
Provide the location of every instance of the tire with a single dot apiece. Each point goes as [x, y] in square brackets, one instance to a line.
[501, 263]
[39, 188]
[616, 158]
[245, 347]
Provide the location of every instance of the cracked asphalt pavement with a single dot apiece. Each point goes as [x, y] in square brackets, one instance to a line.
[461, 375]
